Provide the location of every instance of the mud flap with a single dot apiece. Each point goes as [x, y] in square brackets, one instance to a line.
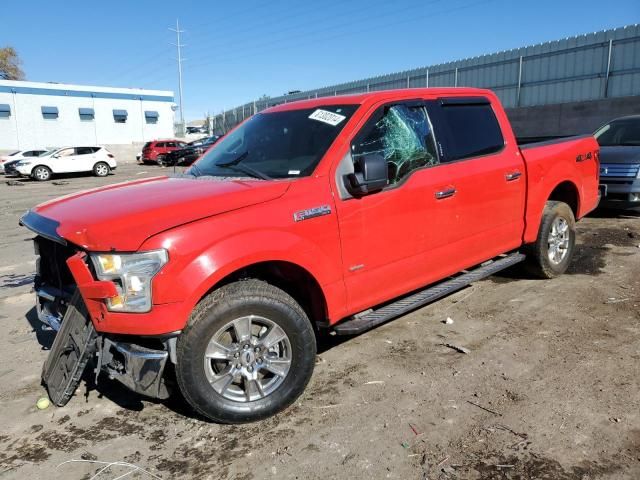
[72, 348]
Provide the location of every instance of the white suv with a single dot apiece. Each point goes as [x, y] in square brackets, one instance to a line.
[19, 155]
[67, 160]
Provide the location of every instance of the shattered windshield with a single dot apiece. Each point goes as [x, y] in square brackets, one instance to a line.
[277, 144]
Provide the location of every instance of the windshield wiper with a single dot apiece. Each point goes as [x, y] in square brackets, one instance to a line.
[246, 169]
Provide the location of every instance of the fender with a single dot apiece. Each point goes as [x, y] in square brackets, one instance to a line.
[545, 171]
[199, 260]
[238, 252]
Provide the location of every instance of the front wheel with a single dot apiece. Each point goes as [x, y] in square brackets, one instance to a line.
[41, 173]
[553, 250]
[161, 160]
[101, 169]
[247, 353]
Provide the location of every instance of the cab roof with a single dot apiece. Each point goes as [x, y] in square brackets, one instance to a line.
[382, 95]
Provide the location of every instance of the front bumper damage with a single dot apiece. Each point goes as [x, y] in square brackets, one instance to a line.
[138, 362]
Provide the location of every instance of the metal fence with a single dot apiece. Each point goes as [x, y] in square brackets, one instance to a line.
[587, 67]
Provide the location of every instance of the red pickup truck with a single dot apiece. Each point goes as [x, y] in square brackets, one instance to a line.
[334, 214]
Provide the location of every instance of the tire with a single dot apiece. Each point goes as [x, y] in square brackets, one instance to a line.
[553, 250]
[101, 169]
[219, 387]
[160, 160]
[41, 173]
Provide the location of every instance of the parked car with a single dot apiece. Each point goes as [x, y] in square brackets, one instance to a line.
[196, 130]
[18, 155]
[332, 214]
[65, 160]
[189, 154]
[619, 142]
[157, 150]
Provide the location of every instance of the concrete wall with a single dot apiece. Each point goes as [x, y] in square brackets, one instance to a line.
[570, 118]
[25, 127]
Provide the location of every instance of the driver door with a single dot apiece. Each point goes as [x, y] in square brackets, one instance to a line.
[390, 238]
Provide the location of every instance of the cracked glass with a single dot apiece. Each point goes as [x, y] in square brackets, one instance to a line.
[404, 137]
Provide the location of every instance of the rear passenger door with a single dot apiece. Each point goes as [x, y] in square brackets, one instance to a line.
[85, 159]
[488, 178]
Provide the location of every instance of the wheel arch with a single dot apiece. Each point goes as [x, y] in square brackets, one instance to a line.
[563, 191]
[567, 192]
[41, 165]
[290, 277]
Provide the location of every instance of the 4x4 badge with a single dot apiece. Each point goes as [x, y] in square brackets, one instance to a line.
[312, 212]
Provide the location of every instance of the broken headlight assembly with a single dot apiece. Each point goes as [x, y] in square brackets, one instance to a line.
[132, 274]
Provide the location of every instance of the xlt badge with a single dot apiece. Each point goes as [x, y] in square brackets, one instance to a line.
[312, 212]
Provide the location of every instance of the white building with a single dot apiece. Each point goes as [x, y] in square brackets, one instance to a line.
[40, 115]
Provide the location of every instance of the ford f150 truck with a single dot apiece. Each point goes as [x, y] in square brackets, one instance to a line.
[333, 214]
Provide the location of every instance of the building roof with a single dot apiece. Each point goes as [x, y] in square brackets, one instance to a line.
[65, 89]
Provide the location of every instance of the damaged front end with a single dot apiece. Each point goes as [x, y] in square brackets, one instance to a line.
[71, 301]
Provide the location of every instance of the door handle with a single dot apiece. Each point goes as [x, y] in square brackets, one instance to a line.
[511, 176]
[449, 192]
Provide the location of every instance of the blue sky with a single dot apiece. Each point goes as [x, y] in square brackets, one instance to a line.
[237, 51]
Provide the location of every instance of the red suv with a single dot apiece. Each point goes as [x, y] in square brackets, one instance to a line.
[157, 150]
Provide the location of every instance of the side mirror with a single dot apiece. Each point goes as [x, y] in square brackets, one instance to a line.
[370, 175]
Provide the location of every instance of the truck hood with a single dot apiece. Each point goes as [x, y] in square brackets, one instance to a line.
[122, 216]
[629, 155]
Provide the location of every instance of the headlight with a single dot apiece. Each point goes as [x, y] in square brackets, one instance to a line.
[132, 273]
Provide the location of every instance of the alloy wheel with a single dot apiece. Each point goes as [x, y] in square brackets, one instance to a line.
[248, 359]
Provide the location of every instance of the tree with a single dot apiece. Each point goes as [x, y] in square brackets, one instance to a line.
[10, 64]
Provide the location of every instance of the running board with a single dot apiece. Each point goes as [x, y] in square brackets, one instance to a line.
[366, 321]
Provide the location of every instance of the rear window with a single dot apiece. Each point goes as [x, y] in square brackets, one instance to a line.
[468, 129]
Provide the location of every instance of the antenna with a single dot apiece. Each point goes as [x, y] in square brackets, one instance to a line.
[179, 46]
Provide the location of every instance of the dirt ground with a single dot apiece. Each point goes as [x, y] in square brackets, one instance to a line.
[549, 389]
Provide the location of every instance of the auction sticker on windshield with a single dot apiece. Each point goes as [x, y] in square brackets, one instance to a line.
[325, 116]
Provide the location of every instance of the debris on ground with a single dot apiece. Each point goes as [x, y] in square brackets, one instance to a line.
[43, 403]
[484, 408]
[457, 348]
[14, 183]
[60, 182]
[448, 321]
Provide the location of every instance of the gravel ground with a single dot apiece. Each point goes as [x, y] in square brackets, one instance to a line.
[549, 389]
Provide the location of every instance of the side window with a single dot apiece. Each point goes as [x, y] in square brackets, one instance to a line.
[468, 129]
[402, 134]
[160, 145]
[84, 150]
[170, 144]
[67, 152]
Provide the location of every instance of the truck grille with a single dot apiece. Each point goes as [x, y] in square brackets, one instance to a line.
[619, 170]
[54, 284]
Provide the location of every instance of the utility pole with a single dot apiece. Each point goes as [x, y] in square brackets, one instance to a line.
[179, 46]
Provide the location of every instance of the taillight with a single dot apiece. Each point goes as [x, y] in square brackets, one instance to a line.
[110, 155]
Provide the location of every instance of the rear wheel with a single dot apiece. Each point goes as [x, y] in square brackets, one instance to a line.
[41, 173]
[553, 250]
[160, 160]
[101, 169]
[247, 353]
